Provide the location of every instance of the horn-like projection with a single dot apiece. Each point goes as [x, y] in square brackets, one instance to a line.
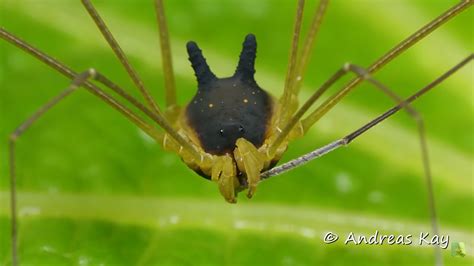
[202, 71]
[246, 67]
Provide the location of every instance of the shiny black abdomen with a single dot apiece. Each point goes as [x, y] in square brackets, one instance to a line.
[227, 109]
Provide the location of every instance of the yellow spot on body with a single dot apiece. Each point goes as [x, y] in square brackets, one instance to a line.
[246, 101]
[211, 105]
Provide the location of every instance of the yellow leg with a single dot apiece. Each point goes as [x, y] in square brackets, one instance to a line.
[224, 173]
[249, 161]
[170, 87]
[289, 98]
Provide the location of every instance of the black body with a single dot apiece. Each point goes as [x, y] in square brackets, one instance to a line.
[226, 109]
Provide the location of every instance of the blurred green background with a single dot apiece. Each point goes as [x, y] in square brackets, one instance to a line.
[94, 191]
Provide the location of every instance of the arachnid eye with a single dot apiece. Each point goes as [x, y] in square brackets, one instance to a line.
[241, 129]
[221, 132]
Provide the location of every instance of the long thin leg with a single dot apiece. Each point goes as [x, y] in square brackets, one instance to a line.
[350, 137]
[297, 116]
[63, 69]
[382, 61]
[78, 81]
[297, 64]
[364, 74]
[155, 117]
[360, 72]
[14, 222]
[120, 55]
[298, 74]
[302, 63]
[170, 87]
[328, 104]
[288, 92]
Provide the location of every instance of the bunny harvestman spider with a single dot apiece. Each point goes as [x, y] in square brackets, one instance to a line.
[233, 132]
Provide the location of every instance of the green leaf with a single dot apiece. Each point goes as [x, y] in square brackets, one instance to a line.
[94, 191]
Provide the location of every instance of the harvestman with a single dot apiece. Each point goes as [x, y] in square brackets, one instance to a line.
[237, 154]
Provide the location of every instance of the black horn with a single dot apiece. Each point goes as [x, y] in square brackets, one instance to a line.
[246, 67]
[202, 71]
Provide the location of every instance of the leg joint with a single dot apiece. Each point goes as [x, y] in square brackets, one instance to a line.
[359, 71]
[347, 66]
[82, 78]
[92, 73]
[13, 137]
